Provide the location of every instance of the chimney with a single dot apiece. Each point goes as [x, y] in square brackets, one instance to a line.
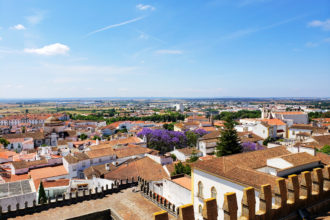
[107, 166]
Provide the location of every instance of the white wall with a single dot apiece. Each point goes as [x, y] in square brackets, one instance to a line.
[92, 183]
[297, 119]
[299, 149]
[21, 199]
[293, 132]
[260, 130]
[278, 163]
[297, 169]
[175, 193]
[160, 159]
[179, 155]
[206, 147]
[222, 186]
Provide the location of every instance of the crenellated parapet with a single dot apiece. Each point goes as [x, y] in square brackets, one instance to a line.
[310, 191]
[66, 200]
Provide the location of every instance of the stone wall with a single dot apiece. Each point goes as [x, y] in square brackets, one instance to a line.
[101, 215]
[159, 200]
[66, 200]
[310, 192]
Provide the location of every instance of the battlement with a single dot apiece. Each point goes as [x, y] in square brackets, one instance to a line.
[66, 200]
[311, 191]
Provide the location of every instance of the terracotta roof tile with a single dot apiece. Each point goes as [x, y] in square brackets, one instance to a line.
[322, 139]
[188, 150]
[299, 159]
[146, 168]
[290, 113]
[273, 121]
[46, 172]
[51, 183]
[26, 164]
[213, 134]
[100, 152]
[240, 167]
[184, 181]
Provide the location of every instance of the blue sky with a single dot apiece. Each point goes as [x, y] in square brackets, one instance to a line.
[199, 48]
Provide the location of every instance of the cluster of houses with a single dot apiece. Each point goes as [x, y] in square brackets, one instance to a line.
[54, 154]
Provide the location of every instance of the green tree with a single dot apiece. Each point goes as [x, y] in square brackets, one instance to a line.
[326, 149]
[123, 130]
[169, 127]
[42, 194]
[191, 138]
[228, 141]
[268, 140]
[193, 157]
[96, 138]
[4, 142]
[83, 136]
[180, 168]
[173, 157]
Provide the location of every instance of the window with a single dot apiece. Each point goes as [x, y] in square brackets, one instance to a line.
[213, 192]
[200, 189]
[200, 209]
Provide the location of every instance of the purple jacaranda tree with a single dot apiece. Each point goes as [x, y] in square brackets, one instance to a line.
[165, 140]
[200, 132]
[250, 146]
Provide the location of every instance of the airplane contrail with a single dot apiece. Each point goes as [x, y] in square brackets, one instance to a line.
[115, 25]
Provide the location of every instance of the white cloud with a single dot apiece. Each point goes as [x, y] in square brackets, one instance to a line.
[13, 86]
[145, 7]
[144, 36]
[248, 31]
[9, 51]
[36, 18]
[318, 43]
[311, 44]
[169, 51]
[122, 89]
[18, 27]
[49, 50]
[325, 25]
[115, 25]
[0, 38]
[64, 80]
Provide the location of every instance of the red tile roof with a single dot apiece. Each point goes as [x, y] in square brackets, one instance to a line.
[51, 183]
[146, 168]
[183, 181]
[273, 121]
[240, 168]
[290, 113]
[46, 172]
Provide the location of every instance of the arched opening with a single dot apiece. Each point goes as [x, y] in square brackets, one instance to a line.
[200, 189]
[213, 192]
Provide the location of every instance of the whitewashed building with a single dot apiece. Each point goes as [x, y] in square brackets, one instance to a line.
[215, 177]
